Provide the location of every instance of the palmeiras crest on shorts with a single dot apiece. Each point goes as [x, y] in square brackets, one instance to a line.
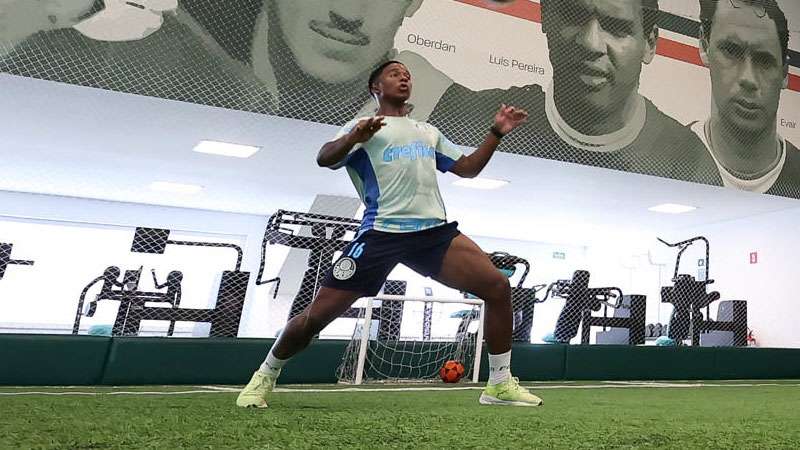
[344, 269]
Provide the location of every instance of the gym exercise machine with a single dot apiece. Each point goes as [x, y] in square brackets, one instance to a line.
[224, 317]
[130, 298]
[523, 299]
[6, 260]
[689, 296]
[581, 300]
[324, 236]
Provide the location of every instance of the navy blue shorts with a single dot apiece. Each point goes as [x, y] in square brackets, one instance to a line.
[366, 261]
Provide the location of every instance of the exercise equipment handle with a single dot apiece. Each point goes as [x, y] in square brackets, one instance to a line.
[683, 246]
[239, 252]
[21, 262]
[77, 323]
[556, 288]
[510, 260]
[610, 293]
[536, 289]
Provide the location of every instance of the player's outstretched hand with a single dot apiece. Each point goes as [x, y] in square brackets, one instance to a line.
[365, 129]
[508, 118]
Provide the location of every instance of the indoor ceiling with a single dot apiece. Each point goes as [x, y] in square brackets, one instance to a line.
[74, 141]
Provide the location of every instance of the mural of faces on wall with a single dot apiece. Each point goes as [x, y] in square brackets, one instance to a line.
[20, 19]
[340, 41]
[309, 60]
[744, 45]
[747, 66]
[597, 49]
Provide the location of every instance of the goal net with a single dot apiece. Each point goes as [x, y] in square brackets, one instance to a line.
[408, 339]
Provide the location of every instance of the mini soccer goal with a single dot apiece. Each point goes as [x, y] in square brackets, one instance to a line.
[408, 339]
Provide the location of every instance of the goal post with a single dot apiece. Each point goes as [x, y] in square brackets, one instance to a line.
[407, 339]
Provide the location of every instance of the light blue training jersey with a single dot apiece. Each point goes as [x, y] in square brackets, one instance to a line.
[395, 174]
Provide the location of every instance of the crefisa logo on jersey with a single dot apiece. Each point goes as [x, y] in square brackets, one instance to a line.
[344, 269]
[413, 151]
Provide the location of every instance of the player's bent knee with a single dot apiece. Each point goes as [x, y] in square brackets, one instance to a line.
[504, 288]
[496, 289]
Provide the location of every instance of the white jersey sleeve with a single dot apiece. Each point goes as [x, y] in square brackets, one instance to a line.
[346, 128]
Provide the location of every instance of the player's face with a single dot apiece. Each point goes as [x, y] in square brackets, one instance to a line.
[394, 83]
[747, 68]
[337, 41]
[597, 48]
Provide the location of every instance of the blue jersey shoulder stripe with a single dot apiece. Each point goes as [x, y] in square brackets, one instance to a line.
[444, 163]
[359, 161]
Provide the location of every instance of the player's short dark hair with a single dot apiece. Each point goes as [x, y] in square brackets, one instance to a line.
[708, 9]
[373, 77]
[650, 11]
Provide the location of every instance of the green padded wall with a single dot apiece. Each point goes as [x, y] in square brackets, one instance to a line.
[34, 360]
[754, 363]
[212, 361]
[622, 362]
[84, 360]
[532, 362]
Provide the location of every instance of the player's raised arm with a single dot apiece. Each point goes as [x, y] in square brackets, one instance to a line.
[506, 120]
[333, 152]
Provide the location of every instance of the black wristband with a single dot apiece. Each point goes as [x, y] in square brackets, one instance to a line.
[496, 132]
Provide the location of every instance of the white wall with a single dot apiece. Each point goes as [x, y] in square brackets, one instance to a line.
[625, 264]
[72, 240]
[544, 270]
[98, 234]
[639, 264]
[771, 286]
[767, 286]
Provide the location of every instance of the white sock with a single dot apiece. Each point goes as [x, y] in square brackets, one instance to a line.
[499, 367]
[272, 365]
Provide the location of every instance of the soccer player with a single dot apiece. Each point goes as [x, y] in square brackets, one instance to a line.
[593, 112]
[745, 46]
[392, 161]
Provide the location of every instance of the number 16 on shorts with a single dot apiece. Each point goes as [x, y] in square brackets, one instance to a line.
[356, 250]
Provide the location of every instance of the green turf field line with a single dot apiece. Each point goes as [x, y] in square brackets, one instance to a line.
[338, 389]
[532, 386]
[221, 388]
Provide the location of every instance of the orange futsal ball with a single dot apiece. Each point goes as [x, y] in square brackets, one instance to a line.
[451, 371]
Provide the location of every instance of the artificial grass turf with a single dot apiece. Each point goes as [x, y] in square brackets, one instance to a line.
[763, 417]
